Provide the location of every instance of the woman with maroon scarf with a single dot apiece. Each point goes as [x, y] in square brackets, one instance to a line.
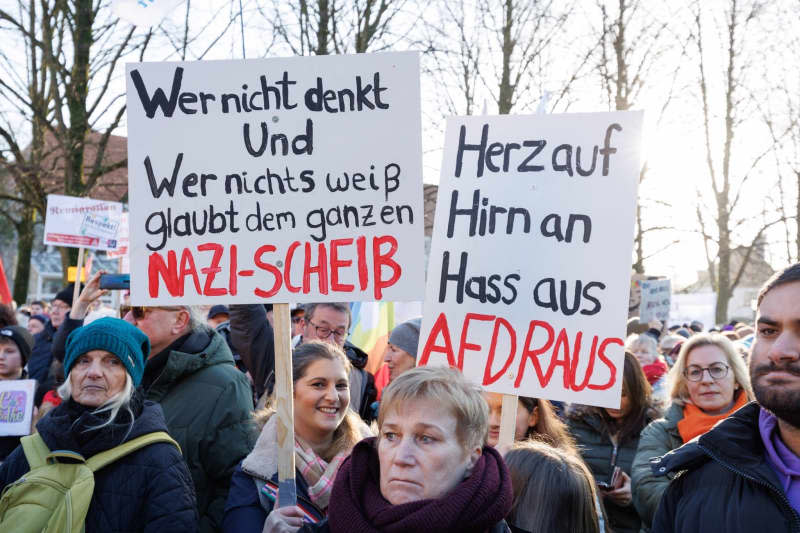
[428, 470]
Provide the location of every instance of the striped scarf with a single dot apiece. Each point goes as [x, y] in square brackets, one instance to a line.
[318, 473]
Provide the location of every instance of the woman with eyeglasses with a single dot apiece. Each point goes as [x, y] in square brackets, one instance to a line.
[708, 382]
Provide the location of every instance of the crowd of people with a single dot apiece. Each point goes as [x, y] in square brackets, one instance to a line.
[173, 415]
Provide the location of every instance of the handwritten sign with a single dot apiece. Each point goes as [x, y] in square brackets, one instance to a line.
[656, 300]
[528, 278]
[16, 406]
[277, 180]
[81, 222]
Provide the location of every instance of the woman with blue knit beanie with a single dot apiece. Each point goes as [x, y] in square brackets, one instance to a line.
[149, 489]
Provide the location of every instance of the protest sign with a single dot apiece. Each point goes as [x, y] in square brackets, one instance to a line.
[656, 300]
[81, 222]
[16, 406]
[275, 180]
[122, 238]
[529, 268]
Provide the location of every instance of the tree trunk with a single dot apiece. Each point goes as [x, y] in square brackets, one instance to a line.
[322, 30]
[505, 100]
[22, 272]
[724, 292]
[69, 257]
[638, 266]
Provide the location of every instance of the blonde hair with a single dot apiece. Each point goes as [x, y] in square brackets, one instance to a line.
[678, 388]
[450, 390]
[351, 429]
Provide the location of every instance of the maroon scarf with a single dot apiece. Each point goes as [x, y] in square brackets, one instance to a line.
[474, 506]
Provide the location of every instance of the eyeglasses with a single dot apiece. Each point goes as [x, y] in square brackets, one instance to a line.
[139, 311]
[324, 332]
[716, 371]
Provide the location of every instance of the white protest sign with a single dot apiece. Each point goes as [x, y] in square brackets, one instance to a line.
[16, 406]
[123, 240]
[529, 268]
[656, 300]
[279, 180]
[81, 222]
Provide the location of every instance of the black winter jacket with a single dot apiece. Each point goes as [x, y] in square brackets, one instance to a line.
[208, 406]
[41, 354]
[601, 455]
[724, 483]
[149, 490]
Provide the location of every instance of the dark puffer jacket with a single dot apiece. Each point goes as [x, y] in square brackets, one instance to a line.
[601, 455]
[208, 406]
[724, 483]
[658, 438]
[149, 490]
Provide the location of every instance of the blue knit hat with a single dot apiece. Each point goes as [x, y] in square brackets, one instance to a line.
[113, 335]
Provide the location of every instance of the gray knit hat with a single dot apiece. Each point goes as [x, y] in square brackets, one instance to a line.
[406, 336]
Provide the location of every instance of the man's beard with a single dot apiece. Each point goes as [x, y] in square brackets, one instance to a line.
[785, 404]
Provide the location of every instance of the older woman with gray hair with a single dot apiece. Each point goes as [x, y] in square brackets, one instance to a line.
[147, 490]
[401, 350]
[429, 469]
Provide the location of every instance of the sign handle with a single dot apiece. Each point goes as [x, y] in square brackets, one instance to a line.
[508, 419]
[77, 290]
[284, 405]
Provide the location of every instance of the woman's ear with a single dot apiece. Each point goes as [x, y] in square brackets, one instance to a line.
[533, 418]
[472, 459]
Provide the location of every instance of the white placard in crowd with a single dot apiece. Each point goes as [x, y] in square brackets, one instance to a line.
[123, 240]
[16, 406]
[277, 180]
[81, 222]
[656, 300]
[528, 280]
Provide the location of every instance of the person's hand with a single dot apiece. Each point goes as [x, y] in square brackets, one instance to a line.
[90, 293]
[284, 520]
[622, 495]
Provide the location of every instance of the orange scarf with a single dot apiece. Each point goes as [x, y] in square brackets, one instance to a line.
[695, 422]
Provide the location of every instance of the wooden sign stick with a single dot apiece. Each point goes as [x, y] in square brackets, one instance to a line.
[508, 419]
[284, 405]
[77, 290]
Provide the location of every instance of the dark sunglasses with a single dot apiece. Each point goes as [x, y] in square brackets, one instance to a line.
[139, 311]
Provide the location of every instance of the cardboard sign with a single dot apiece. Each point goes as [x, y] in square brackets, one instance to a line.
[81, 222]
[529, 269]
[656, 300]
[275, 180]
[16, 406]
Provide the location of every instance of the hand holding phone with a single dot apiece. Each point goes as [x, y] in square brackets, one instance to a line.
[115, 281]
